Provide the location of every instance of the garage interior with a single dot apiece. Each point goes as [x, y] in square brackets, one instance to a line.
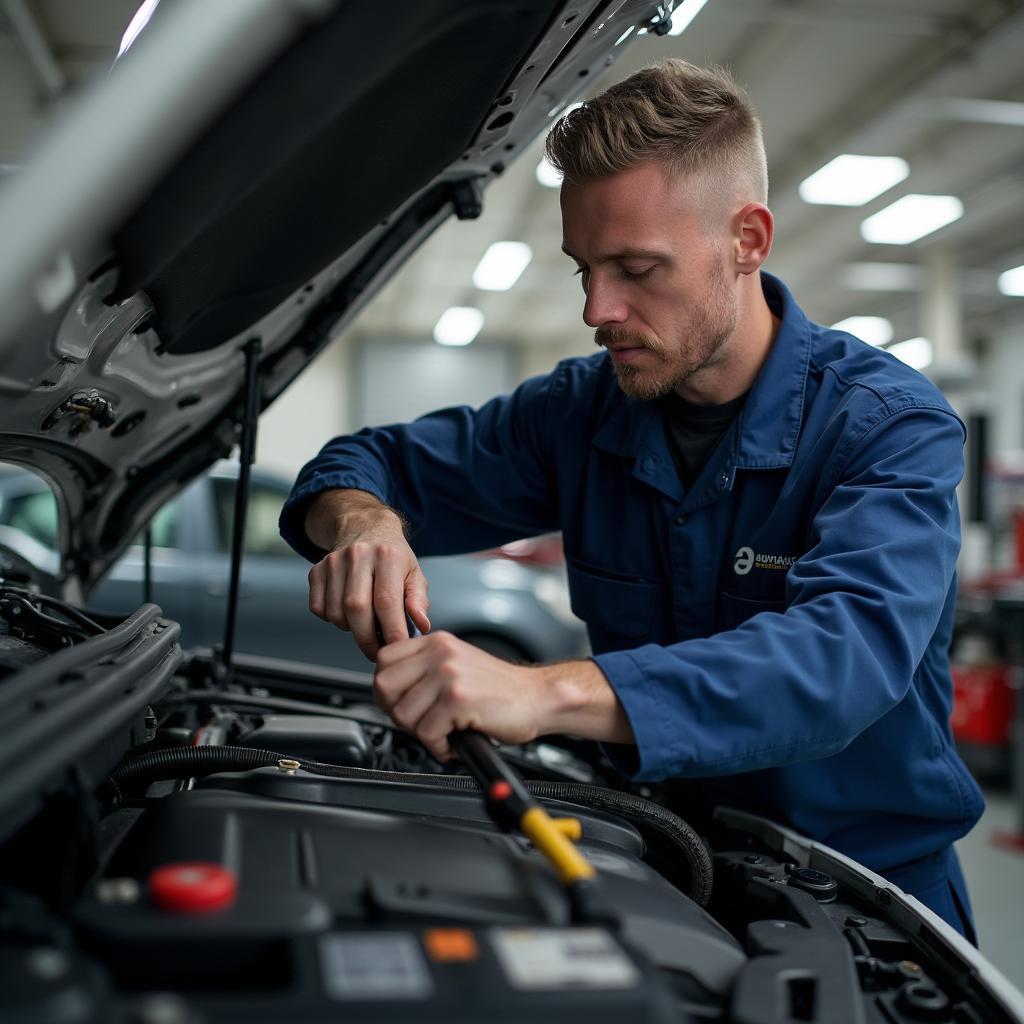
[936, 84]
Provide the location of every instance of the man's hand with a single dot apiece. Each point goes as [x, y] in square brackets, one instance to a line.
[431, 685]
[370, 573]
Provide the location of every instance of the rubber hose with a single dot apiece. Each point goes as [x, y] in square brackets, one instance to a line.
[174, 762]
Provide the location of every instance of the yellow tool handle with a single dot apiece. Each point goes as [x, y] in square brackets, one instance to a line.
[548, 836]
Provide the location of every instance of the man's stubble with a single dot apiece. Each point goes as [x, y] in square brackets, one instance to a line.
[700, 342]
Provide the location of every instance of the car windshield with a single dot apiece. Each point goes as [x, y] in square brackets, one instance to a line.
[29, 521]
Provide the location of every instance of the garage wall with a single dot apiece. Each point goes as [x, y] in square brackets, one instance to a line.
[314, 409]
[396, 380]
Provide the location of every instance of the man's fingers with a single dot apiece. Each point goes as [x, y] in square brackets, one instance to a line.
[419, 697]
[399, 669]
[334, 589]
[416, 600]
[388, 603]
[440, 719]
[326, 585]
[357, 601]
[318, 591]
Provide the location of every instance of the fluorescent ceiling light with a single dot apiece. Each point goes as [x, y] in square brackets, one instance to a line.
[1011, 282]
[1006, 112]
[501, 266]
[139, 21]
[911, 218]
[458, 325]
[547, 175]
[915, 352]
[851, 180]
[684, 14]
[875, 330]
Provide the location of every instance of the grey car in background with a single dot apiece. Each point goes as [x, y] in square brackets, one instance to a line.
[514, 610]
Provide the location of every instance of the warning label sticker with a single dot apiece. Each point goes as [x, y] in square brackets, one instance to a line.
[553, 958]
[378, 965]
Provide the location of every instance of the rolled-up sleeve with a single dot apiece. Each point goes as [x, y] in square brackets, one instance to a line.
[862, 604]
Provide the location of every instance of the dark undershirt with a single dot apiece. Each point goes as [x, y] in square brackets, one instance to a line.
[693, 431]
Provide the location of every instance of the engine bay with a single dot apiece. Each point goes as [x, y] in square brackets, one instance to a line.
[186, 842]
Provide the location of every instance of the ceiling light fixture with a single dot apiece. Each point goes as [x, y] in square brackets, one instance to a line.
[915, 352]
[911, 218]
[684, 14]
[875, 330]
[1011, 282]
[458, 325]
[851, 180]
[502, 265]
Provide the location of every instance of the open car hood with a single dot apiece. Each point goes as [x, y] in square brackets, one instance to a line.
[250, 173]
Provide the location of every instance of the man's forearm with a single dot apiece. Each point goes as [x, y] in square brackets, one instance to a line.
[331, 511]
[582, 702]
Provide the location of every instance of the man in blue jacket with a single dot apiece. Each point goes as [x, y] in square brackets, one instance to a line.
[759, 513]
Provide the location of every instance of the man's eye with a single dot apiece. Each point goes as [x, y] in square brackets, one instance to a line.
[635, 275]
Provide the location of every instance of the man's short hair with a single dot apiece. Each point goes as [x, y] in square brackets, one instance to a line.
[697, 121]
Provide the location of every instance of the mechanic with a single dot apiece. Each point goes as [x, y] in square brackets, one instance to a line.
[759, 514]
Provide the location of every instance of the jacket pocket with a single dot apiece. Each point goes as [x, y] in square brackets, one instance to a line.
[618, 612]
[735, 609]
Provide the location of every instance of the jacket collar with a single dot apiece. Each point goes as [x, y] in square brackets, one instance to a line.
[769, 423]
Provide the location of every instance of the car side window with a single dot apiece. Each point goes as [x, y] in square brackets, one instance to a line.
[261, 533]
[164, 526]
[34, 513]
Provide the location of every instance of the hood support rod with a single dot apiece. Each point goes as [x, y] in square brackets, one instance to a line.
[246, 456]
[147, 565]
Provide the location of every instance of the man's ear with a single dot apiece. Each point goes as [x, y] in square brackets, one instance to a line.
[753, 230]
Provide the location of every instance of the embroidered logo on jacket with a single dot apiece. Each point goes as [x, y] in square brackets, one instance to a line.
[746, 559]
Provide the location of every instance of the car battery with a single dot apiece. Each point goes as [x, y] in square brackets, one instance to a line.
[470, 974]
[983, 704]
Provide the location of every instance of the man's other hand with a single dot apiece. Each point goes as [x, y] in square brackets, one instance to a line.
[433, 684]
[369, 575]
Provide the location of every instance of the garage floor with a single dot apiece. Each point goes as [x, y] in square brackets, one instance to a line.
[995, 877]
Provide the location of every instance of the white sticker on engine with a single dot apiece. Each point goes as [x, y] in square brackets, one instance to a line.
[380, 965]
[553, 958]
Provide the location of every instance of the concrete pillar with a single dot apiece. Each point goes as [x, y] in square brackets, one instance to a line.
[941, 308]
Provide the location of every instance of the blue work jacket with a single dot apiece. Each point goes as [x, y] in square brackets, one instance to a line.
[780, 629]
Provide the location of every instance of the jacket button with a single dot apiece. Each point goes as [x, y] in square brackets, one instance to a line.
[681, 520]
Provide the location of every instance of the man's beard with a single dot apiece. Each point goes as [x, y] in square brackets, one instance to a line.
[709, 328]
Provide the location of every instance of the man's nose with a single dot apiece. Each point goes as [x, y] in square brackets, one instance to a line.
[603, 306]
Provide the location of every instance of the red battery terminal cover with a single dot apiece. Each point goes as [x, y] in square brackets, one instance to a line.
[192, 887]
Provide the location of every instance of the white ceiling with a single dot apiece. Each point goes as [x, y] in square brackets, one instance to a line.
[827, 76]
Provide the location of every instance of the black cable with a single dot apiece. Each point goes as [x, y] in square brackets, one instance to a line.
[244, 700]
[647, 815]
[80, 618]
[228, 699]
[32, 620]
[32, 601]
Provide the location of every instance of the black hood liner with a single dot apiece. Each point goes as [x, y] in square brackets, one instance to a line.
[314, 155]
